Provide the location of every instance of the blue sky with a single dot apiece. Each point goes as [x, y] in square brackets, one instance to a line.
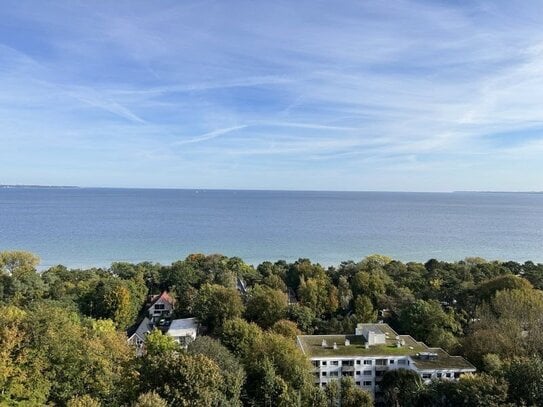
[350, 95]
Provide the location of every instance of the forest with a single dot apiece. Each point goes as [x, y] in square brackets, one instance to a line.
[63, 338]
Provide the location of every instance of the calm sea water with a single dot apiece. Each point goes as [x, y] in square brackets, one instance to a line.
[84, 227]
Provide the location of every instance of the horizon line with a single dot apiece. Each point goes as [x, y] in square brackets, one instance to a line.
[39, 186]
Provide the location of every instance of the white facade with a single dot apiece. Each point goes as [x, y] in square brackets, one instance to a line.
[137, 338]
[183, 331]
[374, 337]
[368, 371]
[373, 350]
[161, 306]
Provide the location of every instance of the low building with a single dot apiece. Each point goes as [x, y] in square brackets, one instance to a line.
[371, 351]
[137, 333]
[183, 331]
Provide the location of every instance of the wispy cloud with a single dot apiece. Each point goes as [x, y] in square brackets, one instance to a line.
[208, 136]
[309, 94]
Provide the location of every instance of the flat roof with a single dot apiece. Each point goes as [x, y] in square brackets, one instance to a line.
[311, 345]
[374, 328]
[182, 327]
[443, 361]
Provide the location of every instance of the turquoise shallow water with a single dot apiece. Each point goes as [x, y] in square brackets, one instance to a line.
[84, 227]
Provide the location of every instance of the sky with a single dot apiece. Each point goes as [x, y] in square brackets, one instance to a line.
[313, 95]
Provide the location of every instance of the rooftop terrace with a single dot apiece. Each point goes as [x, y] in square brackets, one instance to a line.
[312, 346]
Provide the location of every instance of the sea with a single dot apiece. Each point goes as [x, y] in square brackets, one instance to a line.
[85, 227]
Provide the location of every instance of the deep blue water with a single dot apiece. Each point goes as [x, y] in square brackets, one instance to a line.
[85, 227]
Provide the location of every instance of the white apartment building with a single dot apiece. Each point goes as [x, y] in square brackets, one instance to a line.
[371, 351]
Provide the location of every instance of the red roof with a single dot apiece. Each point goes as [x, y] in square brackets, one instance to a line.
[164, 296]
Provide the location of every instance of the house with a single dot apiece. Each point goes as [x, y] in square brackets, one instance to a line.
[136, 334]
[183, 331]
[160, 306]
[371, 351]
[241, 286]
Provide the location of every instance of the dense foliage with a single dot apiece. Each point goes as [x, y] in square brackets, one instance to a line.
[63, 340]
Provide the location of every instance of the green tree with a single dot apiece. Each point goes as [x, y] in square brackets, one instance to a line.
[401, 387]
[274, 281]
[150, 399]
[470, 390]
[286, 328]
[182, 379]
[318, 294]
[303, 316]
[156, 343]
[181, 275]
[352, 395]
[18, 263]
[83, 401]
[216, 304]
[231, 370]
[373, 284]
[113, 298]
[374, 261]
[61, 355]
[20, 284]
[21, 378]
[525, 378]
[332, 392]
[508, 325]
[345, 295]
[290, 366]
[363, 309]
[427, 322]
[240, 336]
[269, 388]
[487, 290]
[265, 305]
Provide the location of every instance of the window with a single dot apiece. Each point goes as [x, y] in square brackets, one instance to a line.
[367, 383]
[368, 362]
[391, 362]
[334, 374]
[323, 363]
[159, 306]
[358, 372]
[426, 376]
[347, 363]
[439, 374]
[448, 374]
[402, 362]
[324, 374]
[367, 372]
[334, 363]
[358, 383]
[380, 362]
[315, 363]
[357, 362]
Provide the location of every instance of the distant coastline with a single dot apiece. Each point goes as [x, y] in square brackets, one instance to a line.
[36, 186]
[39, 186]
[498, 192]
